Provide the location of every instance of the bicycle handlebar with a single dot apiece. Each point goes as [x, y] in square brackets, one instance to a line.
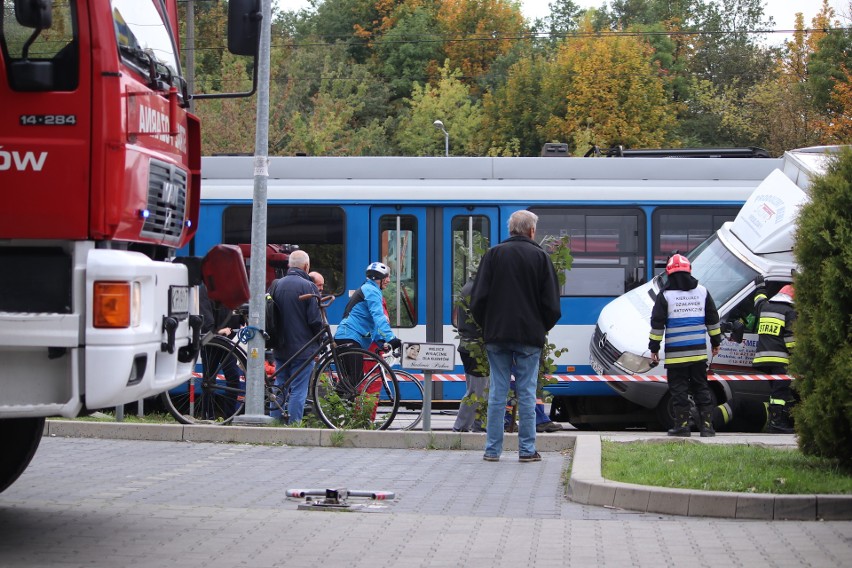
[324, 301]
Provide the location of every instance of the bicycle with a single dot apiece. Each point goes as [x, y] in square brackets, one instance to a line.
[410, 412]
[337, 396]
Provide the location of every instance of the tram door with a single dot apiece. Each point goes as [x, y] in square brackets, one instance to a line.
[430, 251]
[467, 233]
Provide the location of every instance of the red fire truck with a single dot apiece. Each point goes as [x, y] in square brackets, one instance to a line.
[100, 176]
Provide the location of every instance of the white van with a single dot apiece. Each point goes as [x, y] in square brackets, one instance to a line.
[758, 242]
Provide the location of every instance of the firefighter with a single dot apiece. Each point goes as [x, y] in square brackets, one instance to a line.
[775, 342]
[684, 312]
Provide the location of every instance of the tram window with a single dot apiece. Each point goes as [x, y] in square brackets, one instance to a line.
[398, 242]
[319, 231]
[607, 245]
[684, 229]
[470, 241]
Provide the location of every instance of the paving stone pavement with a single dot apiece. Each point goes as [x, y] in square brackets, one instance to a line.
[102, 502]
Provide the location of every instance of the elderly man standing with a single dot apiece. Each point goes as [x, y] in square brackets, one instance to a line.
[515, 300]
[303, 322]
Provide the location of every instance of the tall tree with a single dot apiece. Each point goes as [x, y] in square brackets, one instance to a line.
[320, 101]
[515, 110]
[478, 32]
[348, 21]
[606, 90]
[408, 47]
[450, 102]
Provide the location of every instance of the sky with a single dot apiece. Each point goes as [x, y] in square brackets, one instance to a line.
[783, 11]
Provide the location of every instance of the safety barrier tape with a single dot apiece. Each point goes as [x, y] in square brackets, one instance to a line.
[452, 378]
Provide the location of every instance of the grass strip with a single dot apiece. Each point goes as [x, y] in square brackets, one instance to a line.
[722, 467]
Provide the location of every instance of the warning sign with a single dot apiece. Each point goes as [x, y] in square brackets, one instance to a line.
[429, 356]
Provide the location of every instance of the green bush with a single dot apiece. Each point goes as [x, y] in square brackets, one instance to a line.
[822, 359]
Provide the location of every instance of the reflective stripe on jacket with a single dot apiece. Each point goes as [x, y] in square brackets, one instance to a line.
[775, 339]
[683, 317]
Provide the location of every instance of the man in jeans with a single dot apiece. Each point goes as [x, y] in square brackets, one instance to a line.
[515, 300]
[302, 322]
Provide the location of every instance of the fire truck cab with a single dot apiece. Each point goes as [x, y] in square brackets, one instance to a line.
[100, 177]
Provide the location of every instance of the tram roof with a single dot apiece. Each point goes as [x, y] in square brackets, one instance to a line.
[481, 179]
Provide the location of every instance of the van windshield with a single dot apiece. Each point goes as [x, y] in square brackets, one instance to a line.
[718, 270]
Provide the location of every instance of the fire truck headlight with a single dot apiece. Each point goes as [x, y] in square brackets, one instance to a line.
[116, 304]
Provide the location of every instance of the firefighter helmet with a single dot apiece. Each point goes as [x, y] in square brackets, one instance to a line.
[789, 290]
[678, 263]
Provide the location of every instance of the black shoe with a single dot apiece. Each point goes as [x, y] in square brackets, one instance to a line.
[705, 424]
[681, 427]
[781, 429]
[680, 431]
[536, 457]
[779, 419]
[548, 427]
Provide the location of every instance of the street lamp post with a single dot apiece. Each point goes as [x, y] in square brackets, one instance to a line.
[440, 126]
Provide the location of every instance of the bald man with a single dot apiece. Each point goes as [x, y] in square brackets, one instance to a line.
[303, 322]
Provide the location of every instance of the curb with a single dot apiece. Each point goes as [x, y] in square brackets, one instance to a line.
[588, 487]
[387, 439]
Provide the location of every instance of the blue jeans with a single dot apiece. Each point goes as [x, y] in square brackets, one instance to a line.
[501, 358]
[297, 393]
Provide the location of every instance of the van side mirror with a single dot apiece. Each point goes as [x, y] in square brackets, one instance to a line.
[244, 17]
[36, 14]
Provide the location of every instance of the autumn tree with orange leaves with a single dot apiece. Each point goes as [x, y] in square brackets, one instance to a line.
[608, 91]
[477, 32]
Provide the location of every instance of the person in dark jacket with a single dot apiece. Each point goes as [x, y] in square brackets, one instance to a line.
[775, 342]
[685, 312]
[515, 300]
[302, 321]
[220, 320]
[475, 376]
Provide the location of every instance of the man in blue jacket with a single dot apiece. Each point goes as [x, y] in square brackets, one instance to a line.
[515, 300]
[302, 321]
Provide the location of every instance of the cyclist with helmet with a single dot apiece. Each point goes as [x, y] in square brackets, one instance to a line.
[684, 312]
[775, 342]
[364, 319]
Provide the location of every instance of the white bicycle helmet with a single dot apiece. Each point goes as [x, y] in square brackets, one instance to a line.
[377, 271]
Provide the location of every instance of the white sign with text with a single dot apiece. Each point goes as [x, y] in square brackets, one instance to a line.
[429, 356]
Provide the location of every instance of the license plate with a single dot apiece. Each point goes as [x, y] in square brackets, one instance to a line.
[179, 301]
[597, 367]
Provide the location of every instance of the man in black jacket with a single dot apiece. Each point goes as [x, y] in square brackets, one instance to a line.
[302, 321]
[515, 300]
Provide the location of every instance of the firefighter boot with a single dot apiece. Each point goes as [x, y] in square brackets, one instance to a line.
[681, 425]
[705, 423]
[779, 418]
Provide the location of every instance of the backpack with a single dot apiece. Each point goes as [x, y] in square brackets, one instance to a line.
[274, 324]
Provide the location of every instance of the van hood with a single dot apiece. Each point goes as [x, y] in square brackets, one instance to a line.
[627, 319]
[766, 223]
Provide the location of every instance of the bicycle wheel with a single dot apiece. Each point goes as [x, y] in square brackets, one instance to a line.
[217, 394]
[410, 411]
[355, 389]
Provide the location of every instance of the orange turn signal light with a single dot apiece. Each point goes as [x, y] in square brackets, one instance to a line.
[111, 304]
